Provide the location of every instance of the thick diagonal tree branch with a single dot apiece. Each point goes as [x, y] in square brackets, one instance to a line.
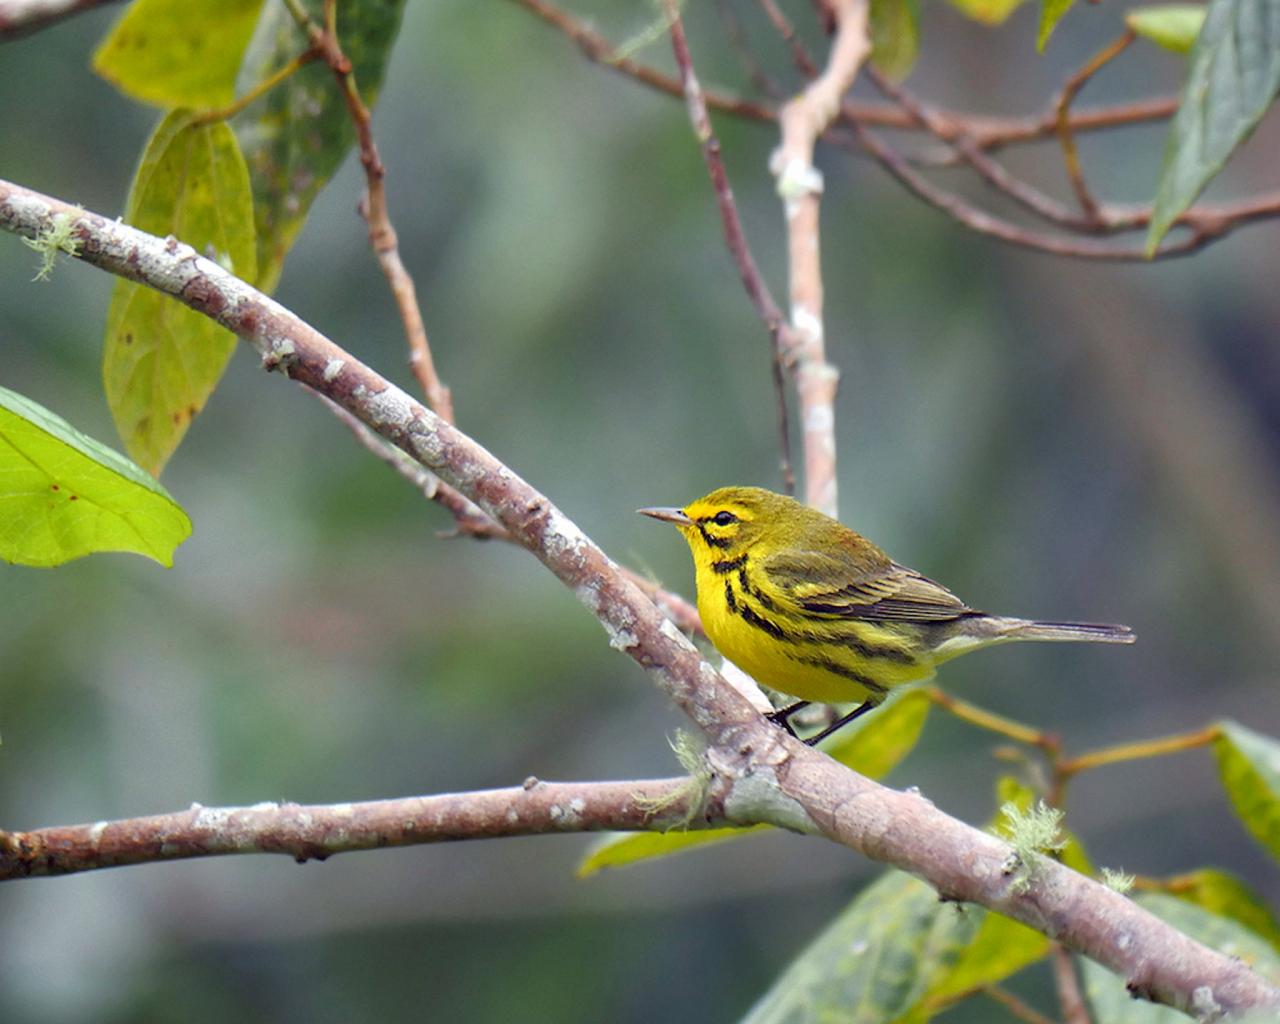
[758, 773]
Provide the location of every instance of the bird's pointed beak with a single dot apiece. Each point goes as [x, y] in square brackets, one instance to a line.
[667, 515]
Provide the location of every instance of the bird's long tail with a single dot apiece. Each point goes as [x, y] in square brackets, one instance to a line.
[1085, 632]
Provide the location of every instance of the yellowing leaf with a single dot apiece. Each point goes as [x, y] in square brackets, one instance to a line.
[895, 36]
[1173, 26]
[64, 495]
[161, 360]
[989, 12]
[1223, 894]
[1249, 766]
[1051, 12]
[178, 53]
[872, 746]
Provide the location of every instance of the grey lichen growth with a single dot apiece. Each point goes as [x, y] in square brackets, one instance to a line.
[55, 238]
[1119, 881]
[691, 753]
[1032, 832]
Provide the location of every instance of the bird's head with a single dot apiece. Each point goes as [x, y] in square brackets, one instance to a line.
[730, 521]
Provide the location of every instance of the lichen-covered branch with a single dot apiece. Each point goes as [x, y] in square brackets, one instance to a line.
[757, 772]
[319, 831]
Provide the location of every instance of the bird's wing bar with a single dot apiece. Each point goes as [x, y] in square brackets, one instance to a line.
[819, 583]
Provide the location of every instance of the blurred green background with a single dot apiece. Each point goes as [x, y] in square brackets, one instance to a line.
[1049, 438]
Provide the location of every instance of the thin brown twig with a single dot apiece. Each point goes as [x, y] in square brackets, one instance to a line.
[734, 235]
[1206, 224]
[1074, 1009]
[736, 34]
[988, 168]
[374, 209]
[788, 33]
[1015, 1006]
[987, 132]
[1062, 109]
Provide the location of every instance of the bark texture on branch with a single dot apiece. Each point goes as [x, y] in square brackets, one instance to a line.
[317, 832]
[759, 773]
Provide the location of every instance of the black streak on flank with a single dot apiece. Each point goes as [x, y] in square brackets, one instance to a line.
[765, 601]
[877, 690]
[728, 596]
[749, 616]
[724, 568]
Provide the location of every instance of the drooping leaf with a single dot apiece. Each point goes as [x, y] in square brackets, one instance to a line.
[178, 53]
[618, 849]
[1226, 895]
[988, 12]
[295, 137]
[871, 746]
[1173, 26]
[64, 495]
[161, 360]
[895, 36]
[1234, 75]
[1000, 949]
[1249, 766]
[1111, 1001]
[873, 963]
[1051, 12]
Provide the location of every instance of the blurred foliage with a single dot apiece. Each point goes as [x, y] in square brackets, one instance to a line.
[317, 641]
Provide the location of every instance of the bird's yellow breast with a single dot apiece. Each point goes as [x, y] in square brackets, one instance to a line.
[831, 661]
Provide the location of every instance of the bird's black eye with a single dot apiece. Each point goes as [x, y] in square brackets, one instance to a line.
[725, 518]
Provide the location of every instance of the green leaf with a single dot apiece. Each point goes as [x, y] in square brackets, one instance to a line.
[64, 495]
[871, 746]
[297, 135]
[1106, 991]
[873, 963]
[1051, 12]
[178, 53]
[1227, 896]
[161, 360]
[1000, 949]
[988, 12]
[618, 849]
[1234, 75]
[1173, 26]
[1249, 766]
[895, 36]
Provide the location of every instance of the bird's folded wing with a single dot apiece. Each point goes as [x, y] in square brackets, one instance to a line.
[858, 586]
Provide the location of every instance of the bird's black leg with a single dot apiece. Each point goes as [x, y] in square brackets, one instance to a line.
[782, 717]
[840, 723]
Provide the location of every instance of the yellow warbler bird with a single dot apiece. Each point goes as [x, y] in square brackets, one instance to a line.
[808, 607]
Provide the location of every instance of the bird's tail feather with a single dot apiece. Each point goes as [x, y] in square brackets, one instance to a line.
[1086, 632]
